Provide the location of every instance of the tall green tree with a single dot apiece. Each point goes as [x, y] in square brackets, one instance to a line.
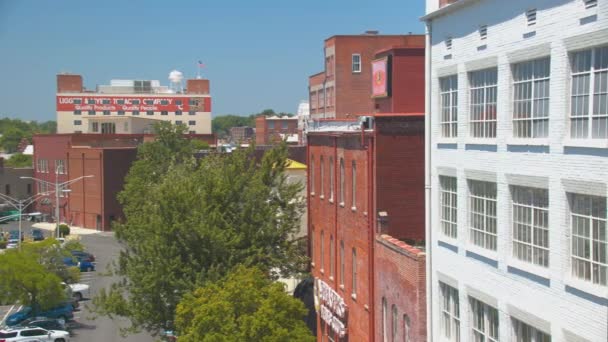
[189, 222]
[13, 130]
[244, 306]
[19, 160]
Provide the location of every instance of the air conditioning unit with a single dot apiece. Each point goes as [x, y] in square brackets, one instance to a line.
[367, 122]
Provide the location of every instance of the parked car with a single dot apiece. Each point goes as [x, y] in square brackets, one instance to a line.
[14, 235]
[12, 243]
[83, 255]
[27, 334]
[45, 323]
[64, 311]
[37, 235]
[83, 265]
[77, 291]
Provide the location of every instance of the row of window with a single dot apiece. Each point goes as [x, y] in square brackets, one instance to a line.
[342, 180]
[531, 98]
[530, 225]
[136, 102]
[134, 112]
[42, 166]
[271, 124]
[484, 320]
[322, 99]
[332, 258]
[407, 327]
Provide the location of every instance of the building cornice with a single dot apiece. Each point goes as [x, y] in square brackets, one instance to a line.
[448, 9]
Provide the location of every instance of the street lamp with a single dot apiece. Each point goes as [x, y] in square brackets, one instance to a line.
[20, 205]
[59, 188]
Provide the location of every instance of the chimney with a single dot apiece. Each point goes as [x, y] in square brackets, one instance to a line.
[372, 32]
[382, 227]
[197, 86]
[67, 83]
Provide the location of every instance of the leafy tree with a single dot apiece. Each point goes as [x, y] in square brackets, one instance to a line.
[26, 277]
[19, 160]
[10, 139]
[13, 130]
[244, 306]
[198, 145]
[221, 124]
[189, 222]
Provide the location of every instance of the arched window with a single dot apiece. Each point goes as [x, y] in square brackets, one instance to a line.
[406, 328]
[332, 171]
[354, 290]
[342, 181]
[332, 256]
[312, 175]
[395, 323]
[384, 323]
[322, 261]
[342, 263]
[354, 185]
[322, 170]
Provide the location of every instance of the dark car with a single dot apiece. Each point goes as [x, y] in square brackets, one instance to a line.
[83, 265]
[45, 323]
[14, 235]
[37, 235]
[81, 255]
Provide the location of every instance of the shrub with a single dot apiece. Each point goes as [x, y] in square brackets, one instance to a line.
[64, 230]
[3, 244]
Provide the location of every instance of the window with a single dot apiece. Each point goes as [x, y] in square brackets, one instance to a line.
[356, 65]
[589, 109]
[331, 178]
[589, 238]
[7, 189]
[588, 4]
[322, 177]
[91, 112]
[105, 101]
[482, 214]
[484, 321]
[178, 112]
[354, 184]
[531, 16]
[407, 328]
[192, 132]
[164, 102]
[384, 320]
[192, 123]
[43, 165]
[341, 263]
[95, 127]
[332, 256]
[284, 125]
[342, 181]
[483, 32]
[108, 128]
[531, 98]
[77, 101]
[60, 167]
[531, 225]
[354, 290]
[322, 262]
[191, 112]
[449, 106]
[193, 102]
[449, 205]
[312, 175]
[120, 102]
[164, 112]
[29, 189]
[77, 112]
[149, 102]
[106, 112]
[135, 102]
[450, 313]
[527, 333]
[150, 112]
[121, 112]
[91, 101]
[395, 323]
[33, 332]
[178, 122]
[135, 112]
[271, 124]
[448, 43]
[77, 122]
[178, 102]
[483, 103]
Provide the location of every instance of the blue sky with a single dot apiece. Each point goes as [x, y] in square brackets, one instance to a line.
[258, 53]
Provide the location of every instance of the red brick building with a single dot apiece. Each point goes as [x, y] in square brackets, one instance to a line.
[343, 89]
[91, 202]
[271, 129]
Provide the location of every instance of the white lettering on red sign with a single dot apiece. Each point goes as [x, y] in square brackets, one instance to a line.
[334, 322]
[331, 298]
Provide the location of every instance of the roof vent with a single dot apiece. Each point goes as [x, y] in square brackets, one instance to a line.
[372, 32]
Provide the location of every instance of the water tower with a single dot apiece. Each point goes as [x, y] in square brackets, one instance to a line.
[176, 78]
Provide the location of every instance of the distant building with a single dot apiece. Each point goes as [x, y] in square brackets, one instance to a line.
[343, 88]
[269, 130]
[303, 115]
[131, 106]
[517, 177]
[241, 135]
[12, 185]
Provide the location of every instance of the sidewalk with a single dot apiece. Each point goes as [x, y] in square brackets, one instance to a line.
[73, 230]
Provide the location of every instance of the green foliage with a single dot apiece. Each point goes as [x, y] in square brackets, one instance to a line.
[64, 230]
[19, 160]
[244, 306]
[25, 276]
[73, 245]
[13, 130]
[221, 124]
[198, 145]
[188, 223]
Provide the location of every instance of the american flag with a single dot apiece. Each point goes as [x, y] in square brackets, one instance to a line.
[200, 64]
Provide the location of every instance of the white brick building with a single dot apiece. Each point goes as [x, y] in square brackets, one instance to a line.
[517, 106]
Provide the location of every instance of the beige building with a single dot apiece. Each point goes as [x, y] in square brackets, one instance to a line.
[131, 106]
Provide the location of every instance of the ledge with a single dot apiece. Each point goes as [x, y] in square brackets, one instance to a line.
[400, 246]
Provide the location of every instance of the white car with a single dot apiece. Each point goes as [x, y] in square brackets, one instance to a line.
[33, 334]
[12, 243]
[79, 291]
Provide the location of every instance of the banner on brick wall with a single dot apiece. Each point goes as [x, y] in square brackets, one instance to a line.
[380, 77]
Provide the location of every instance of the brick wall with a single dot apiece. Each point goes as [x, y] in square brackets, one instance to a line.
[69, 84]
[399, 271]
[197, 86]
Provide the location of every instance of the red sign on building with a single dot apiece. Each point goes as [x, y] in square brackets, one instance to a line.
[132, 103]
[380, 75]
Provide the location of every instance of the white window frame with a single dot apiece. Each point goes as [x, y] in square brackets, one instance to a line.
[354, 273]
[448, 204]
[342, 262]
[384, 320]
[483, 97]
[589, 98]
[450, 313]
[354, 185]
[484, 321]
[322, 171]
[332, 256]
[523, 332]
[448, 106]
[356, 63]
[332, 178]
[322, 261]
[312, 175]
[530, 225]
[588, 238]
[484, 206]
[525, 125]
[342, 182]
[60, 167]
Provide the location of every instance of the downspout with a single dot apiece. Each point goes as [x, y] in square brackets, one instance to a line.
[309, 188]
[371, 185]
[335, 231]
[427, 183]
